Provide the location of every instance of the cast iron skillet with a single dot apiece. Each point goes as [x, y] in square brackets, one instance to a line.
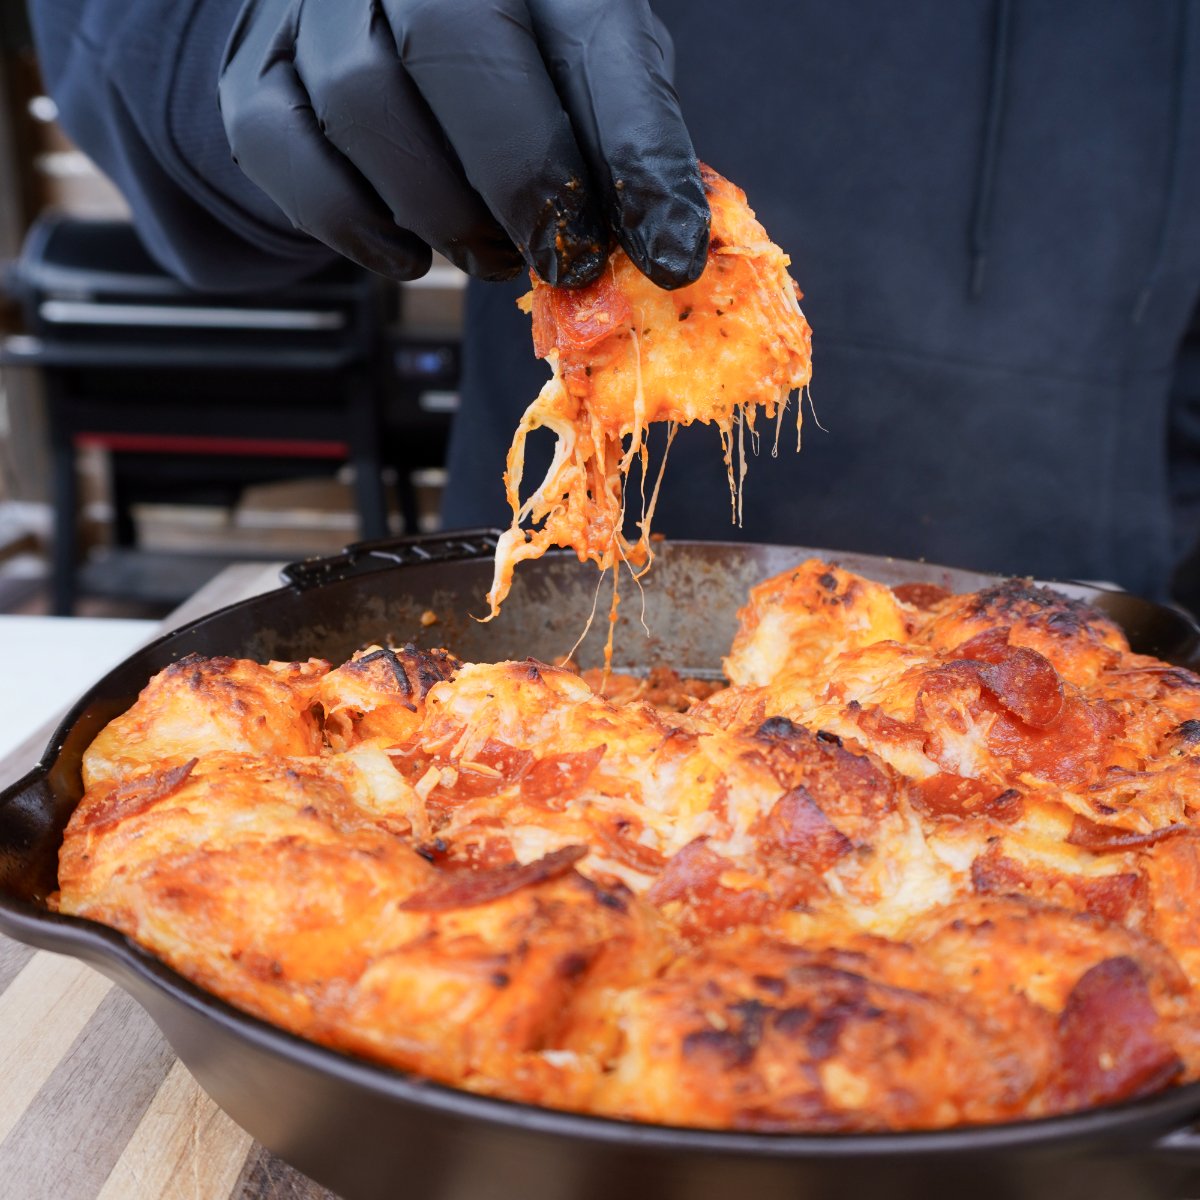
[369, 1131]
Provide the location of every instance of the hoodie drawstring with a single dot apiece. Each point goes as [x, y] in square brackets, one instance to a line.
[1181, 36]
[993, 129]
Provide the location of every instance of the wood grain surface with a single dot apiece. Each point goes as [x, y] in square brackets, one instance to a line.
[94, 1105]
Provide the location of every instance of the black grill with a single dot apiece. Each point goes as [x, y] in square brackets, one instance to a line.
[196, 395]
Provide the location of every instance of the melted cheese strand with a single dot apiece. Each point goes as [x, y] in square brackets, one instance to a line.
[725, 345]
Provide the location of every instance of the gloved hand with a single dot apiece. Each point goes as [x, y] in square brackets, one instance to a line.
[492, 130]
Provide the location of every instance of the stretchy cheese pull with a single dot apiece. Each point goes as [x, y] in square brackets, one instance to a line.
[625, 354]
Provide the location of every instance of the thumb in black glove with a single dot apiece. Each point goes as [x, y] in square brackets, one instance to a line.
[491, 130]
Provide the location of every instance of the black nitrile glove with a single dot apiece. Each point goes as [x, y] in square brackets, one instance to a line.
[490, 130]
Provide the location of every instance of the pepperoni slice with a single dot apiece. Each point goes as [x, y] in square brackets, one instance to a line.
[575, 319]
[1021, 680]
[469, 889]
[950, 795]
[797, 828]
[556, 776]
[921, 595]
[1112, 1048]
[693, 876]
[1109, 839]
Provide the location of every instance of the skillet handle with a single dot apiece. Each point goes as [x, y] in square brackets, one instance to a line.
[362, 558]
[1179, 1144]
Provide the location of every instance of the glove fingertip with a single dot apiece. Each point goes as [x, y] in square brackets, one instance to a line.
[570, 248]
[379, 247]
[672, 251]
[581, 265]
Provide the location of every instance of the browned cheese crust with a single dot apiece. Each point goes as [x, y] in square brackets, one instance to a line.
[929, 860]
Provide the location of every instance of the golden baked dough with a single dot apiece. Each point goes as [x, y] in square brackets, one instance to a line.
[930, 860]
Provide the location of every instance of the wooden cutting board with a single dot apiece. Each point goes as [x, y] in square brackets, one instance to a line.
[94, 1105]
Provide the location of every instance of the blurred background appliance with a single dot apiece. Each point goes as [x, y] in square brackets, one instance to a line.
[149, 434]
[193, 397]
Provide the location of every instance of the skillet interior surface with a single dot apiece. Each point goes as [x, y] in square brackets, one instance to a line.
[354, 1125]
